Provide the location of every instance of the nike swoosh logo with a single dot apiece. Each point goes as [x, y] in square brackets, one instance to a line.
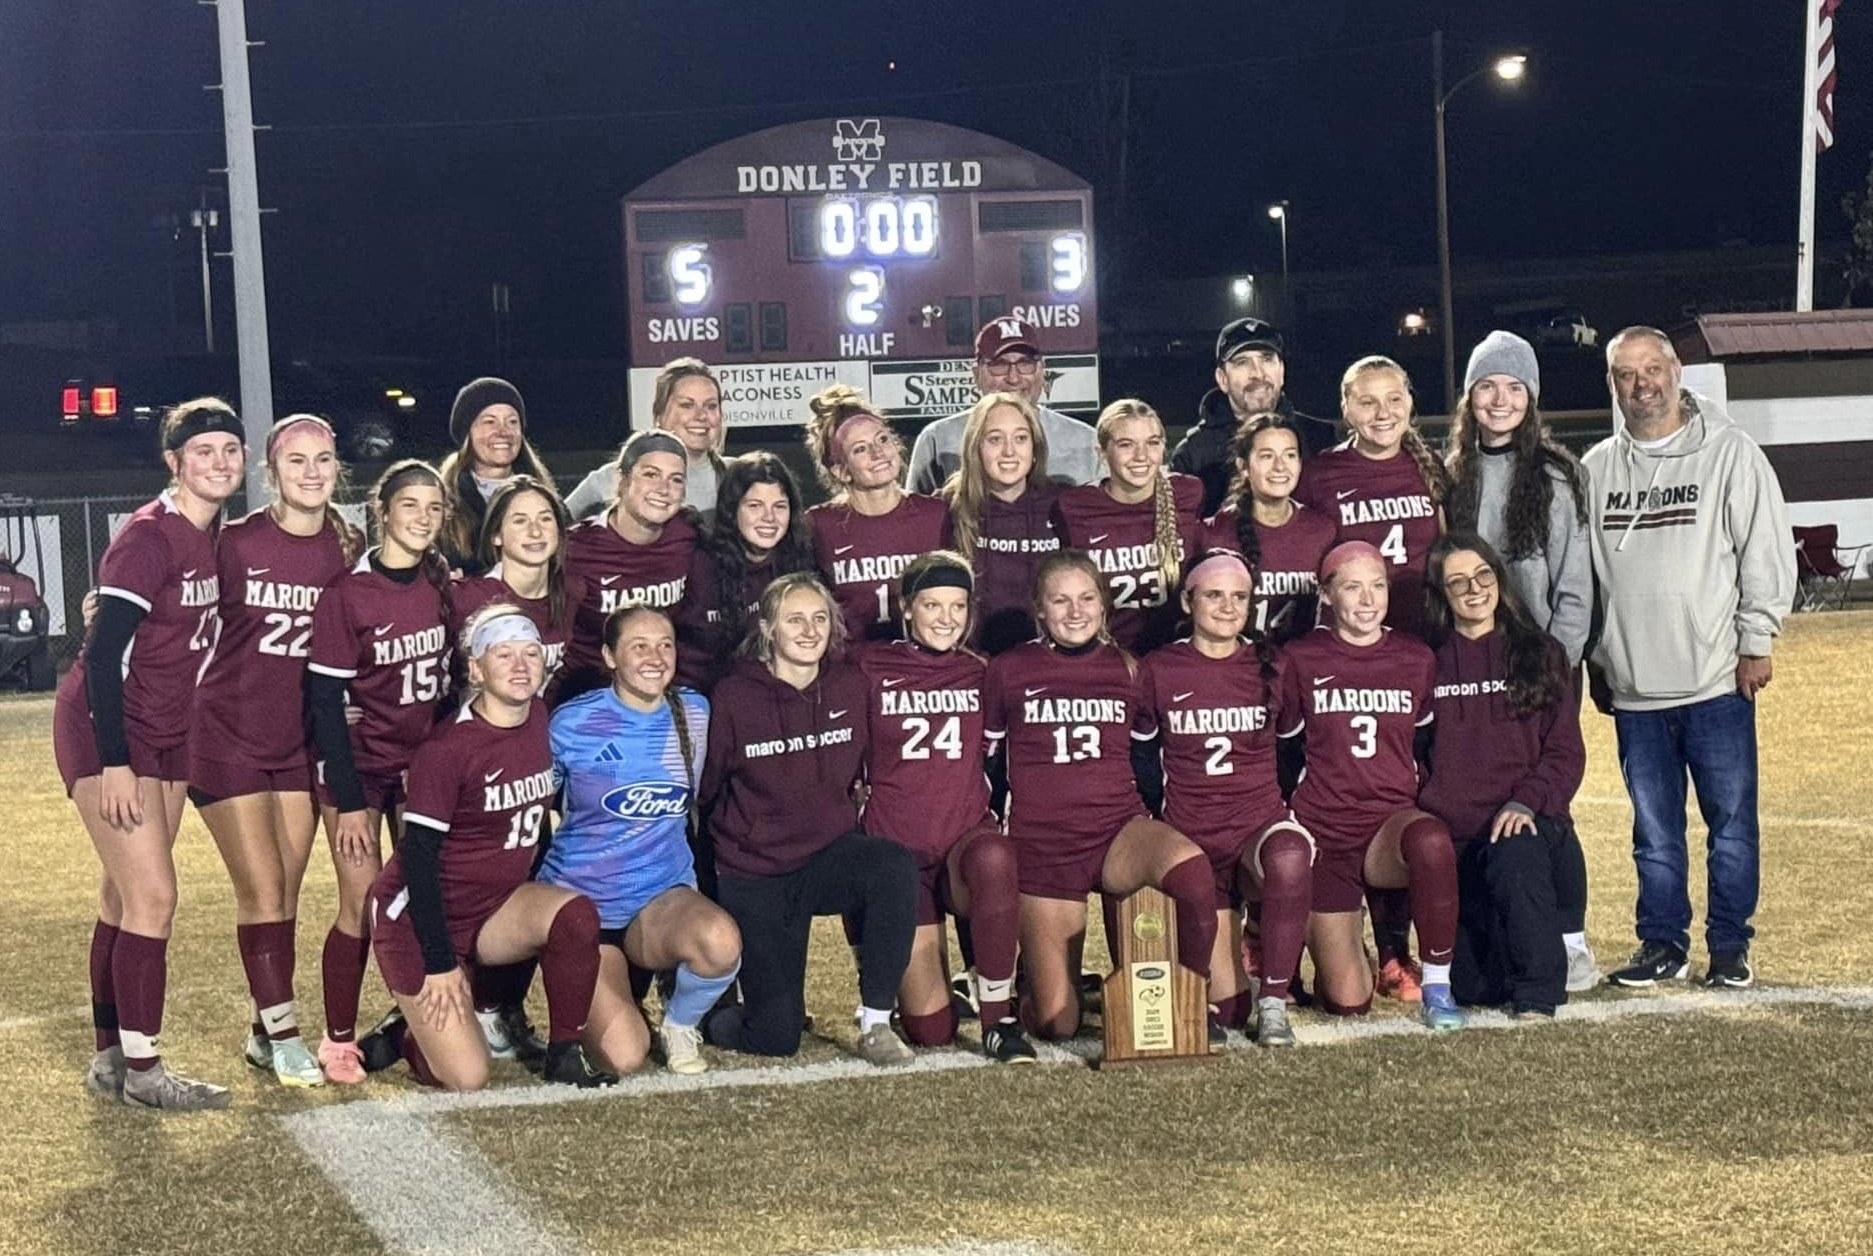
[609, 580]
[491, 777]
[1179, 697]
[1094, 540]
[258, 571]
[1345, 493]
[190, 573]
[1321, 680]
[833, 715]
[893, 683]
[1031, 692]
[378, 632]
[842, 549]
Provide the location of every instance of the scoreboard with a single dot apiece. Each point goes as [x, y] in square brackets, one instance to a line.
[865, 251]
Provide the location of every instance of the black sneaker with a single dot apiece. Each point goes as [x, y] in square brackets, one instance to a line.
[1004, 1043]
[1218, 1035]
[1729, 970]
[383, 1046]
[1531, 1011]
[566, 1065]
[1652, 963]
[529, 1048]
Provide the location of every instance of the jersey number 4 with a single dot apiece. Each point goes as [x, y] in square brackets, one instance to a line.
[948, 741]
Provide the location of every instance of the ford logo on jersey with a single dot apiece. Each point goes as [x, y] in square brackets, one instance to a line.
[647, 800]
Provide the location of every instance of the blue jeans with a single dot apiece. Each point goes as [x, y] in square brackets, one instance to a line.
[1714, 741]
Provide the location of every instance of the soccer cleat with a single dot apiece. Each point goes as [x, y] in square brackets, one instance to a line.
[383, 1046]
[500, 1046]
[682, 1052]
[527, 1045]
[1218, 1035]
[294, 1065]
[346, 1063]
[1583, 971]
[963, 991]
[1652, 963]
[1271, 1023]
[566, 1065]
[1531, 1011]
[880, 1045]
[1399, 979]
[258, 1052]
[1004, 1043]
[1729, 970]
[106, 1074]
[157, 1087]
[1439, 1009]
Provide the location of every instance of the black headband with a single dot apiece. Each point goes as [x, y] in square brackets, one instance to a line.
[200, 422]
[938, 576]
[649, 442]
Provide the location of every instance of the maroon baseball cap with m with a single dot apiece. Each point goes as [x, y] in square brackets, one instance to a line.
[999, 335]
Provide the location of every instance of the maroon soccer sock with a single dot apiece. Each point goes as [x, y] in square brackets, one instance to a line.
[1431, 862]
[1287, 897]
[1391, 923]
[569, 968]
[937, 1029]
[502, 985]
[988, 869]
[341, 966]
[1192, 888]
[267, 957]
[1232, 1012]
[103, 990]
[140, 973]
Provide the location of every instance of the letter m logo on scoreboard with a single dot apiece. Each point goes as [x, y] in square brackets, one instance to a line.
[858, 139]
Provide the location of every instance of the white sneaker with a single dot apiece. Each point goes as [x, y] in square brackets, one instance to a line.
[106, 1074]
[682, 1052]
[1583, 971]
[157, 1087]
[880, 1045]
[294, 1065]
[500, 1046]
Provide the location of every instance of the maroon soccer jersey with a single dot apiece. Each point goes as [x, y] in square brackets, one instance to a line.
[1215, 722]
[1383, 502]
[925, 766]
[1358, 708]
[862, 557]
[387, 641]
[1016, 537]
[1287, 583]
[165, 566]
[250, 708]
[1121, 538]
[613, 572]
[1066, 723]
[470, 595]
[487, 790]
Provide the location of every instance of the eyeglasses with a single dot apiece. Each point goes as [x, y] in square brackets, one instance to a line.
[1462, 586]
[1008, 368]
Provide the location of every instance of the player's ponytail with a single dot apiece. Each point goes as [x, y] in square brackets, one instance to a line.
[830, 408]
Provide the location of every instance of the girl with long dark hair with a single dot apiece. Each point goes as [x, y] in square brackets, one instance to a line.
[1281, 540]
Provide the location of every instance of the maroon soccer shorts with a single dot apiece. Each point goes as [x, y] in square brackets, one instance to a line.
[382, 793]
[1225, 860]
[400, 955]
[1062, 865]
[75, 748]
[211, 782]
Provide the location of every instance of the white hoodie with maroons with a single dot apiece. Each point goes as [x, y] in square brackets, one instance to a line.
[1694, 558]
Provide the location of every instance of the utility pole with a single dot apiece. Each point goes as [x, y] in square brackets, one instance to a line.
[204, 220]
[1445, 331]
[250, 287]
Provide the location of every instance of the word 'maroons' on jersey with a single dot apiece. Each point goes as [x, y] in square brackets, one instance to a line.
[506, 795]
[868, 570]
[897, 700]
[274, 595]
[1387, 509]
[1074, 711]
[1205, 720]
[1367, 701]
[387, 651]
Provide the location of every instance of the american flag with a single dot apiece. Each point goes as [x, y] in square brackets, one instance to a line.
[1824, 76]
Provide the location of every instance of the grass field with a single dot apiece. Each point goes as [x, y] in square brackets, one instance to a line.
[1714, 1124]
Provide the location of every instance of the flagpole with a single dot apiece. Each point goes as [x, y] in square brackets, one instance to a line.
[1810, 85]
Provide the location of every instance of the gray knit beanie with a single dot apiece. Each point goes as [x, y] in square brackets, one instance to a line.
[1505, 353]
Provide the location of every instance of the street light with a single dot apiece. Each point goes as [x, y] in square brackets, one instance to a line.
[1242, 287]
[1279, 212]
[1507, 69]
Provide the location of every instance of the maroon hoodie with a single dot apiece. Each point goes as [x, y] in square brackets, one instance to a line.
[1485, 757]
[777, 782]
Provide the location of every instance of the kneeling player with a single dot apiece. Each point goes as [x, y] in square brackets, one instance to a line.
[1067, 706]
[1357, 692]
[929, 794]
[456, 892]
[1210, 696]
[629, 758]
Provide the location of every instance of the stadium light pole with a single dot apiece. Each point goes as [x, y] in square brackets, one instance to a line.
[1508, 69]
[1279, 212]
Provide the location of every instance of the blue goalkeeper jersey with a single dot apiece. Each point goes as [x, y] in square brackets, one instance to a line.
[624, 833]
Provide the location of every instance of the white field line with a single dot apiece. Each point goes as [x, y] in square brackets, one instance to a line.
[961, 1247]
[442, 1196]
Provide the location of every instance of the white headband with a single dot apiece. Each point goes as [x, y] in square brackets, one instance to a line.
[506, 626]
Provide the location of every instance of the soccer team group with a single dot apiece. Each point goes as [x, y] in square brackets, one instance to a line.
[1293, 675]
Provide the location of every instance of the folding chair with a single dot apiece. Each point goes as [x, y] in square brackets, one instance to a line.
[1826, 570]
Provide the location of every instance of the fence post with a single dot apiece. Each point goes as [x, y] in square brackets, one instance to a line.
[91, 562]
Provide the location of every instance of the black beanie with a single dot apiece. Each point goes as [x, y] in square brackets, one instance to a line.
[477, 395]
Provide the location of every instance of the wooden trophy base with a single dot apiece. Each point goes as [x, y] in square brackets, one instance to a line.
[1156, 1010]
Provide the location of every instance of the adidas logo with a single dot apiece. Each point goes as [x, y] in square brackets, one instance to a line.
[610, 752]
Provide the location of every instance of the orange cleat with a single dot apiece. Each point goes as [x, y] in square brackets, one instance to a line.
[1399, 980]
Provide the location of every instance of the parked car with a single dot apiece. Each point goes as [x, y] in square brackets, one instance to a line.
[1568, 330]
[25, 651]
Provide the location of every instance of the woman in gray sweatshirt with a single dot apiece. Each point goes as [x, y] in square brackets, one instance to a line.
[1520, 490]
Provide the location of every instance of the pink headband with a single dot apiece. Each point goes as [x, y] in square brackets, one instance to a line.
[1344, 553]
[835, 450]
[312, 421]
[1215, 561]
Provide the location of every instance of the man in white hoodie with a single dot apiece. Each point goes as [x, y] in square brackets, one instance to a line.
[1691, 544]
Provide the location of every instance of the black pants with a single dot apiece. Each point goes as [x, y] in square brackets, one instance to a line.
[1509, 946]
[869, 879]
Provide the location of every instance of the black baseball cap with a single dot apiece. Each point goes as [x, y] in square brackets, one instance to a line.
[1248, 333]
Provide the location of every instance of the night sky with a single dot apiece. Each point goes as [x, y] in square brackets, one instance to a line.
[422, 149]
